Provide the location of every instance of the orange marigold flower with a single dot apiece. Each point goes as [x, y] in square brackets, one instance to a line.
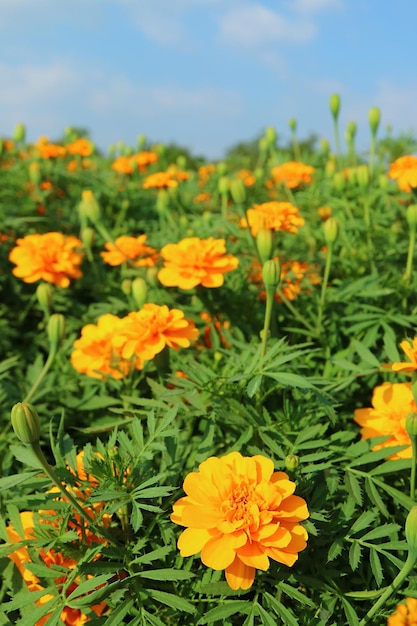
[123, 165]
[405, 614]
[324, 212]
[404, 170]
[406, 366]
[49, 150]
[391, 403]
[80, 146]
[247, 177]
[195, 261]
[52, 257]
[204, 173]
[133, 248]
[204, 196]
[273, 215]
[96, 356]
[160, 180]
[145, 333]
[239, 513]
[145, 158]
[292, 174]
[214, 325]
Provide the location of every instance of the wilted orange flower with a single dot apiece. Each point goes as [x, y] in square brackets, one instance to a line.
[239, 513]
[273, 215]
[133, 248]
[405, 614]
[295, 276]
[292, 174]
[80, 146]
[95, 355]
[49, 150]
[411, 353]
[404, 170]
[147, 332]
[391, 403]
[160, 180]
[52, 257]
[195, 261]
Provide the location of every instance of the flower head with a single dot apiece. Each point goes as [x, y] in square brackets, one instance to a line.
[391, 403]
[52, 257]
[275, 216]
[133, 248]
[404, 170]
[292, 174]
[195, 261]
[405, 614]
[80, 146]
[411, 352]
[239, 513]
[160, 180]
[49, 150]
[95, 355]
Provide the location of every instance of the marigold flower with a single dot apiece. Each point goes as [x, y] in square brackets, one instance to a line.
[204, 196]
[295, 276]
[292, 174]
[405, 614]
[80, 146]
[239, 513]
[391, 403]
[247, 177]
[147, 332]
[217, 325]
[160, 180]
[324, 212]
[204, 173]
[404, 170]
[133, 248]
[411, 353]
[96, 356]
[273, 215]
[52, 257]
[195, 261]
[134, 162]
[49, 150]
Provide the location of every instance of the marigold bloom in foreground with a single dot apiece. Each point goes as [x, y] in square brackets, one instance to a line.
[133, 248]
[95, 355]
[292, 174]
[239, 513]
[195, 261]
[145, 333]
[52, 257]
[274, 216]
[405, 614]
[411, 353]
[391, 403]
[404, 170]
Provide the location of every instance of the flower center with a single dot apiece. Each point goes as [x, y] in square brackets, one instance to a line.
[242, 506]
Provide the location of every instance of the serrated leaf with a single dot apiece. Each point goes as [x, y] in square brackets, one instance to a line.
[363, 521]
[375, 497]
[220, 612]
[355, 552]
[165, 574]
[116, 616]
[169, 599]
[285, 614]
[365, 354]
[11, 481]
[254, 385]
[386, 530]
[266, 618]
[350, 612]
[335, 550]
[295, 594]
[353, 487]
[376, 567]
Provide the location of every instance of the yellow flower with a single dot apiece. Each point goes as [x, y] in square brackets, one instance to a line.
[133, 248]
[239, 513]
[405, 614]
[195, 261]
[273, 216]
[52, 257]
[411, 353]
[391, 403]
[404, 170]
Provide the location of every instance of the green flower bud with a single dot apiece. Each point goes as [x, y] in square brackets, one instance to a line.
[383, 181]
[271, 135]
[339, 181]
[181, 161]
[25, 422]
[411, 423]
[324, 146]
[351, 131]
[141, 141]
[362, 173]
[263, 145]
[19, 133]
[88, 236]
[238, 190]
[412, 215]
[335, 105]
[292, 123]
[35, 172]
[264, 244]
[152, 276]
[271, 273]
[330, 227]
[221, 168]
[44, 293]
[139, 291]
[89, 207]
[56, 329]
[223, 185]
[259, 173]
[126, 286]
[374, 119]
[162, 201]
[411, 529]
[292, 461]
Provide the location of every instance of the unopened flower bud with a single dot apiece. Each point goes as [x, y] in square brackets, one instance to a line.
[324, 146]
[351, 131]
[223, 185]
[221, 168]
[362, 173]
[271, 274]
[152, 276]
[89, 206]
[374, 119]
[44, 293]
[162, 201]
[19, 133]
[292, 461]
[411, 529]
[88, 236]
[292, 123]
[383, 181]
[339, 181]
[126, 286]
[238, 190]
[141, 141]
[181, 161]
[139, 290]
[411, 424]
[412, 215]
[271, 135]
[335, 105]
[56, 329]
[25, 422]
[330, 227]
[35, 172]
[264, 244]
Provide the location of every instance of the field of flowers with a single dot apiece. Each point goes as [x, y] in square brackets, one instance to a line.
[208, 384]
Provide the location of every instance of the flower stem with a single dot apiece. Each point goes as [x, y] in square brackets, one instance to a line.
[267, 320]
[43, 373]
[413, 467]
[323, 289]
[410, 254]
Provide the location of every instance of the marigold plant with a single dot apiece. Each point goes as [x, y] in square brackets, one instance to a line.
[292, 174]
[404, 171]
[405, 614]
[52, 257]
[391, 403]
[295, 276]
[132, 248]
[195, 261]
[274, 216]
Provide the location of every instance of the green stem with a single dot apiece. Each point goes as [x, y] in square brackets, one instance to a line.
[323, 289]
[413, 467]
[410, 254]
[43, 373]
[267, 320]
[294, 311]
[396, 583]
[296, 146]
[372, 153]
[367, 220]
[337, 139]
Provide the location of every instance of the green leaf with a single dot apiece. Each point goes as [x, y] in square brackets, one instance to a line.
[351, 615]
[376, 567]
[116, 616]
[11, 481]
[335, 550]
[86, 587]
[363, 521]
[295, 594]
[285, 614]
[254, 385]
[228, 608]
[375, 497]
[353, 487]
[386, 530]
[266, 618]
[166, 574]
[365, 354]
[169, 599]
[355, 552]
[287, 379]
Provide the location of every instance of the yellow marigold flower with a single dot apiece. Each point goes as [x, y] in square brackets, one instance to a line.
[273, 215]
[145, 333]
[405, 614]
[295, 276]
[95, 355]
[404, 170]
[292, 174]
[239, 513]
[160, 180]
[324, 212]
[133, 248]
[391, 403]
[195, 261]
[52, 257]
[411, 353]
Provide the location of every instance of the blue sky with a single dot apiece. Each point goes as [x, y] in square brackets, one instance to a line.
[205, 73]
